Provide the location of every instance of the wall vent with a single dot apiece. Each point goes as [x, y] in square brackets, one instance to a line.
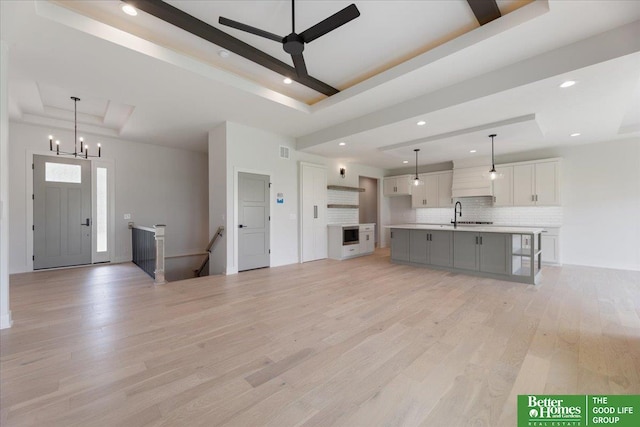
[284, 152]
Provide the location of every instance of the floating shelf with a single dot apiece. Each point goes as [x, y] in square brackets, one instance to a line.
[343, 188]
[343, 206]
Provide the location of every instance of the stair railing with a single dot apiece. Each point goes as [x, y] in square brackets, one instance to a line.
[211, 244]
[147, 246]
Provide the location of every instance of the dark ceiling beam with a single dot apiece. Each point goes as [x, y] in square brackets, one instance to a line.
[485, 10]
[199, 28]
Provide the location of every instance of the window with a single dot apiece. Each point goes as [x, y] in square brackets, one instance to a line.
[101, 209]
[62, 172]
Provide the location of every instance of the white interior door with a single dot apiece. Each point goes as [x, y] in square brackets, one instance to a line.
[313, 212]
[253, 221]
[61, 212]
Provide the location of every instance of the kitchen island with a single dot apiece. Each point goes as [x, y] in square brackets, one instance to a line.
[505, 253]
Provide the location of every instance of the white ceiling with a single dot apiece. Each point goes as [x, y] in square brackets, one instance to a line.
[401, 61]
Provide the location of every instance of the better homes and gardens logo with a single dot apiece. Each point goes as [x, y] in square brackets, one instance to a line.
[578, 410]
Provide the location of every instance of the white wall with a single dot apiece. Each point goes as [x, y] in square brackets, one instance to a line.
[156, 185]
[257, 151]
[218, 198]
[5, 312]
[601, 200]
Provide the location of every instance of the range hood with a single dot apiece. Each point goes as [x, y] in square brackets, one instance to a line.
[471, 181]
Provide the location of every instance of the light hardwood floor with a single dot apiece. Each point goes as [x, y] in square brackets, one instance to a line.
[354, 343]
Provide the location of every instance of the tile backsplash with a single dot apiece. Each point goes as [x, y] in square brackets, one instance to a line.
[339, 215]
[482, 209]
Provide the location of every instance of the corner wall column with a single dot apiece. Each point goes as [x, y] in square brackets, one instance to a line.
[5, 312]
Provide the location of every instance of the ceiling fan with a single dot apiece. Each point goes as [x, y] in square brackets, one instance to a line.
[294, 43]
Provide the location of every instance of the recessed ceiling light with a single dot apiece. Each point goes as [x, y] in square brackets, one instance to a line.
[342, 144]
[567, 84]
[421, 123]
[287, 81]
[129, 10]
[472, 151]
[405, 161]
[575, 134]
[223, 53]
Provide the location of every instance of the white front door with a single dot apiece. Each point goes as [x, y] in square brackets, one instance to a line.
[61, 212]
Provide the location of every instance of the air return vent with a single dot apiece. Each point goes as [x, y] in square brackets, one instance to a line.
[284, 152]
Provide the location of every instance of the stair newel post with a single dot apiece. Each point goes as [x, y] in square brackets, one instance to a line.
[159, 271]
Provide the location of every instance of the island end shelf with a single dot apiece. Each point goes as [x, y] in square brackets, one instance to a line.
[504, 253]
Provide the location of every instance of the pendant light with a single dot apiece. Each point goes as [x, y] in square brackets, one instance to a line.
[417, 181]
[493, 174]
[84, 149]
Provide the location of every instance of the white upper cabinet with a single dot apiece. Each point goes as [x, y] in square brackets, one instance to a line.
[397, 185]
[536, 183]
[523, 185]
[425, 195]
[435, 192]
[503, 187]
[445, 182]
[547, 184]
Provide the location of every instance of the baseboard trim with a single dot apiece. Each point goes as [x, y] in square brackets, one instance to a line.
[5, 321]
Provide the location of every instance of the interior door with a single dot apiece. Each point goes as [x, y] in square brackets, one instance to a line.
[61, 212]
[253, 221]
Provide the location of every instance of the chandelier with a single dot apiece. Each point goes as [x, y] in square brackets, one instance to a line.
[84, 148]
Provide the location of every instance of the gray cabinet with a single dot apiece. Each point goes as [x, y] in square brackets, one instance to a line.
[494, 253]
[441, 248]
[431, 247]
[465, 250]
[400, 244]
[418, 242]
[485, 252]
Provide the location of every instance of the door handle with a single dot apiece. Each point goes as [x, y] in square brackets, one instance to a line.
[240, 226]
[87, 222]
[480, 239]
[315, 211]
[476, 240]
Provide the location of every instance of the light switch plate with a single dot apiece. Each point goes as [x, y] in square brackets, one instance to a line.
[127, 216]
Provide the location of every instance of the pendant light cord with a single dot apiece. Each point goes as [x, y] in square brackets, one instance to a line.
[75, 126]
[416, 150]
[493, 162]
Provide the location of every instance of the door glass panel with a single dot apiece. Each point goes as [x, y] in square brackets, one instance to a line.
[101, 214]
[62, 172]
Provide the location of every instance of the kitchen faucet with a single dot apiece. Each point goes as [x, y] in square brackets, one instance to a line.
[456, 213]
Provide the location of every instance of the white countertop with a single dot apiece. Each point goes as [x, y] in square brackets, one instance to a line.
[476, 228]
[349, 225]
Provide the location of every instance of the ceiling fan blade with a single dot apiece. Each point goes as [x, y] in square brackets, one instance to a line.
[298, 63]
[331, 23]
[249, 29]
